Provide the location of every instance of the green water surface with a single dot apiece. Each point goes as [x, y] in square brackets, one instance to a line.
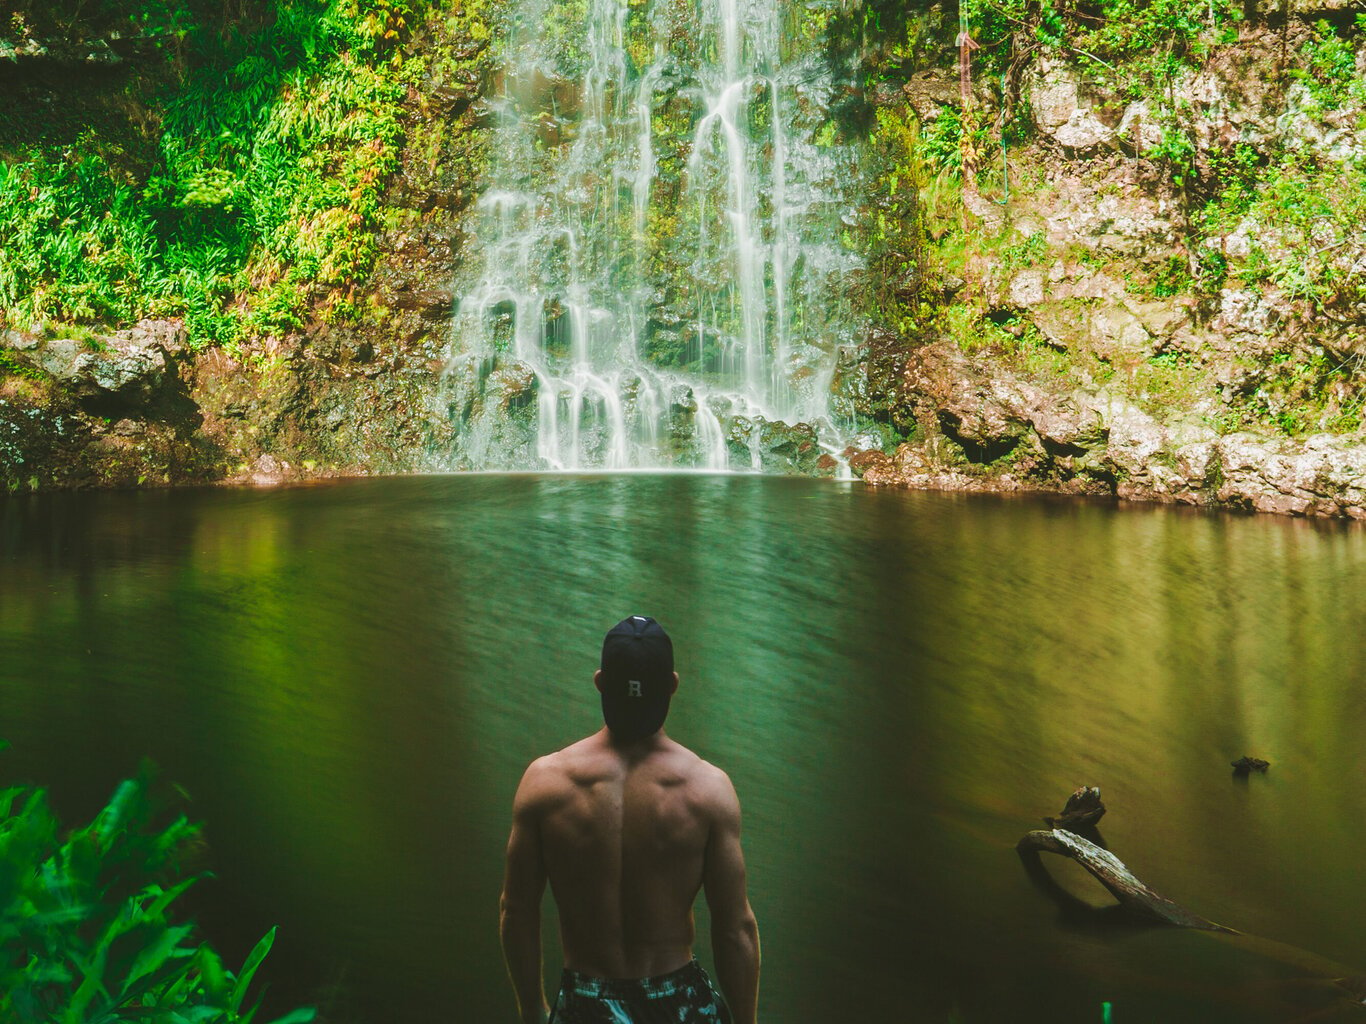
[348, 680]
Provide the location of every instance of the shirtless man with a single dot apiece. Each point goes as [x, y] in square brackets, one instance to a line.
[627, 825]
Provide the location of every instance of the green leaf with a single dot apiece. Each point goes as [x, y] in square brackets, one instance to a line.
[119, 809]
[7, 799]
[159, 905]
[163, 983]
[258, 954]
[91, 985]
[211, 972]
[300, 1016]
[62, 915]
[164, 947]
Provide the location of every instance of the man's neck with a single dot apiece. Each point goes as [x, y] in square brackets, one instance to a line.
[637, 748]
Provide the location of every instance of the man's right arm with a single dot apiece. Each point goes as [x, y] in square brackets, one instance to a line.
[734, 930]
[520, 905]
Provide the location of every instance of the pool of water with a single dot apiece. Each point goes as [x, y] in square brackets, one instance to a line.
[348, 679]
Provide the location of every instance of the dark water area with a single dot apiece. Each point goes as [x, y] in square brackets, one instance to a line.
[349, 679]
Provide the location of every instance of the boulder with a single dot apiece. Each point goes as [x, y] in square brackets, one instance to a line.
[872, 460]
[1091, 441]
[1126, 223]
[1065, 111]
[929, 90]
[1139, 127]
[1026, 289]
[126, 372]
[1118, 334]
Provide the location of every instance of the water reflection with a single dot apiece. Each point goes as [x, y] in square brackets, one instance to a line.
[349, 679]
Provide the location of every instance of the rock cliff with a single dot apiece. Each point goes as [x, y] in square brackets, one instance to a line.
[1150, 294]
[1146, 283]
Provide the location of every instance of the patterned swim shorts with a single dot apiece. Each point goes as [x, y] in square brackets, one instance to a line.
[684, 996]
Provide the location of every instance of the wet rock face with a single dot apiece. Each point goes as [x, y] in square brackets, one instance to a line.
[989, 415]
[288, 414]
[775, 447]
[513, 385]
[139, 409]
[1122, 320]
[997, 432]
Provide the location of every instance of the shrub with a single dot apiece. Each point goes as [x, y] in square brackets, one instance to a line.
[1330, 71]
[1130, 45]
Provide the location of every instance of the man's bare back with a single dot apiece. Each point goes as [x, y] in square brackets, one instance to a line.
[626, 833]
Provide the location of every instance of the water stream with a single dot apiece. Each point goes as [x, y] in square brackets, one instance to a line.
[660, 276]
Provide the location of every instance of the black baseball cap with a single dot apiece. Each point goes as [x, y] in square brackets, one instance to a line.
[637, 677]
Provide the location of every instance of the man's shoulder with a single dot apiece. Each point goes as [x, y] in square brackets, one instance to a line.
[560, 767]
[544, 780]
[711, 784]
[560, 760]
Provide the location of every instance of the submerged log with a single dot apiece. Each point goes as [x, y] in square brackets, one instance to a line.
[1133, 896]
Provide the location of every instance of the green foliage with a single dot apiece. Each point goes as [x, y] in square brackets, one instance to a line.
[11, 367]
[1213, 269]
[1029, 251]
[1239, 176]
[277, 137]
[890, 236]
[88, 933]
[1307, 391]
[941, 140]
[564, 34]
[74, 243]
[1012, 340]
[277, 309]
[1329, 71]
[1151, 39]
[1172, 277]
[1313, 216]
[1177, 151]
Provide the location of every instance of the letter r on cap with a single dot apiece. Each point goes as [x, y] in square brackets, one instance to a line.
[633, 688]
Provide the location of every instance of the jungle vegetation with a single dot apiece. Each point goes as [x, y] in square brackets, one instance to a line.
[225, 167]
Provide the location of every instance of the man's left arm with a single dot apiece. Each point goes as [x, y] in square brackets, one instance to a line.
[734, 931]
[519, 923]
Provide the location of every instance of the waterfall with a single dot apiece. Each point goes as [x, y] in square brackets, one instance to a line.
[661, 273]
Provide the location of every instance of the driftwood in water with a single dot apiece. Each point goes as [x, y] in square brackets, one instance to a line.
[1139, 903]
[1082, 810]
[1135, 897]
[1249, 764]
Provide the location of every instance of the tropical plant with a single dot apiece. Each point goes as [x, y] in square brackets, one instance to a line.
[89, 932]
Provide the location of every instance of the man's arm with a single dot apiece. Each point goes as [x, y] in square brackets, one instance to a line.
[734, 931]
[519, 922]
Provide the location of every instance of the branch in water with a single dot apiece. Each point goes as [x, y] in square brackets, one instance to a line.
[1109, 870]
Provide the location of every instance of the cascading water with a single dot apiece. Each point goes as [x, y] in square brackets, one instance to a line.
[663, 277]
